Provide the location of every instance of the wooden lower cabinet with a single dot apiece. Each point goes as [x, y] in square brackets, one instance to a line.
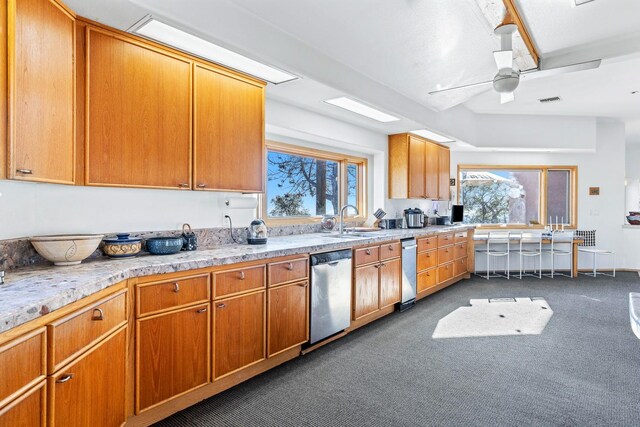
[173, 354]
[29, 410]
[390, 282]
[90, 391]
[365, 291]
[445, 272]
[288, 317]
[426, 279]
[238, 332]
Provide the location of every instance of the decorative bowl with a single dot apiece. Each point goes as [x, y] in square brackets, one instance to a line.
[69, 249]
[633, 219]
[122, 246]
[164, 245]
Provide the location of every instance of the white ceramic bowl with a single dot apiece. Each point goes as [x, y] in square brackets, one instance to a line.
[66, 249]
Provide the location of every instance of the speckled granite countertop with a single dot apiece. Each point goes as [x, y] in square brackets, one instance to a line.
[32, 292]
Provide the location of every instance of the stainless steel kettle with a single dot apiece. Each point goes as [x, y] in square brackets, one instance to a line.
[257, 232]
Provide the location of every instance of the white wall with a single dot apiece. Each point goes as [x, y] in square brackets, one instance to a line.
[632, 232]
[605, 169]
[28, 209]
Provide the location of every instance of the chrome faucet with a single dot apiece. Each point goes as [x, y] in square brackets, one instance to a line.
[342, 209]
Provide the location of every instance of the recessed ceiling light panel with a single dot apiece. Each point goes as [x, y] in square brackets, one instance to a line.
[362, 109]
[436, 137]
[171, 36]
[581, 2]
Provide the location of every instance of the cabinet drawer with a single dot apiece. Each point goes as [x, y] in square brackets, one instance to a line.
[288, 271]
[460, 236]
[427, 244]
[157, 297]
[239, 281]
[445, 272]
[21, 364]
[71, 335]
[445, 255]
[427, 279]
[445, 239]
[460, 250]
[367, 255]
[427, 260]
[459, 266]
[390, 250]
[28, 410]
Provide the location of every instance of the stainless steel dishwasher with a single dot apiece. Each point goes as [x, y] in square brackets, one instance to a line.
[330, 294]
[409, 250]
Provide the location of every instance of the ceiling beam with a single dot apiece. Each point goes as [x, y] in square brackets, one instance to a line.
[513, 17]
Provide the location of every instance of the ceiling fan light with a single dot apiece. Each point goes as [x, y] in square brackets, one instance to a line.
[506, 83]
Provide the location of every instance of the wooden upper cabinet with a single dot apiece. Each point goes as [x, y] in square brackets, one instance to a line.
[228, 131]
[41, 85]
[432, 169]
[417, 168]
[444, 166]
[417, 157]
[138, 114]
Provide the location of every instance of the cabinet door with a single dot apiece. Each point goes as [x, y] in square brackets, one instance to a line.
[288, 315]
[228, 131]
[41, 92]
[172, 354]
[390, 282]
[26, 411]
[443, 174]
[432, 171]
[365, 291]
[238, 332]
[417, 159]
[91, 390]
[138, 114]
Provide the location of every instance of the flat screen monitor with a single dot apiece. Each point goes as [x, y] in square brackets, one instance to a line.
[457, 213]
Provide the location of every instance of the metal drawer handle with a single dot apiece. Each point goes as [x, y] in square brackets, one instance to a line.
[98, 314]
[382, 264]
[183, 185]
[390, 247]
[377, 266]
[242, 275]
[368, 252]
[290, 266]
[202, 310]
[176, 287]
[25, 171]
[64, 378]
[221, 306]
[202, 185]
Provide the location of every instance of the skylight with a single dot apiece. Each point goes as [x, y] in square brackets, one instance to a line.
[189, 43]
[362, 109]
[436, 137]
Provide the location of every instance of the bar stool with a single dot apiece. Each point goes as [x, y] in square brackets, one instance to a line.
[558, 239]
[530, 248]
[498, 246]
[588, 246]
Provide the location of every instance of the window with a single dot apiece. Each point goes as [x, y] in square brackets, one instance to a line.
[305, 184]
[518, 195]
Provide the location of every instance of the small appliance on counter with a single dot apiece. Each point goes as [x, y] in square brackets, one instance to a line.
[414, 218]
[257, 232]
[328, 223]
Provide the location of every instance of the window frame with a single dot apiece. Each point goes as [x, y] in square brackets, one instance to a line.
[543, 209]
[343, 161]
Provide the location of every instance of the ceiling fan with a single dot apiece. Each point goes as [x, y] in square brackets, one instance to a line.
[508, 77]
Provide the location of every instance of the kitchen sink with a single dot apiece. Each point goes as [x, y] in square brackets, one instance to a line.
[346, 236]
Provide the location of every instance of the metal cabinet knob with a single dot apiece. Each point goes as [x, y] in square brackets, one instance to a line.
[25, 171]
[63, 379]
[98, 314]
[368, 252]
[176, 287]
[242, 275]
[391, 247]
[183, 185]
[290, 266]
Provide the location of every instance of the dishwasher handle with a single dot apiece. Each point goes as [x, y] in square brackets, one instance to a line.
[410, 247]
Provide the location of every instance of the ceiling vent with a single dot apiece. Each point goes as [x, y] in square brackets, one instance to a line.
[552, 99]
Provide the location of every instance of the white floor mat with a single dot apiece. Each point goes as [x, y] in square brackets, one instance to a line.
[496, 317]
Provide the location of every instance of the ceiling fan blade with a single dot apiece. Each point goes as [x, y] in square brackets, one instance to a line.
[506, 97]
[580, 66]
[504, 61]
[460, 87]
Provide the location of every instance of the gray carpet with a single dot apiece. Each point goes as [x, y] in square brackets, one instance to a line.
[584, 370]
